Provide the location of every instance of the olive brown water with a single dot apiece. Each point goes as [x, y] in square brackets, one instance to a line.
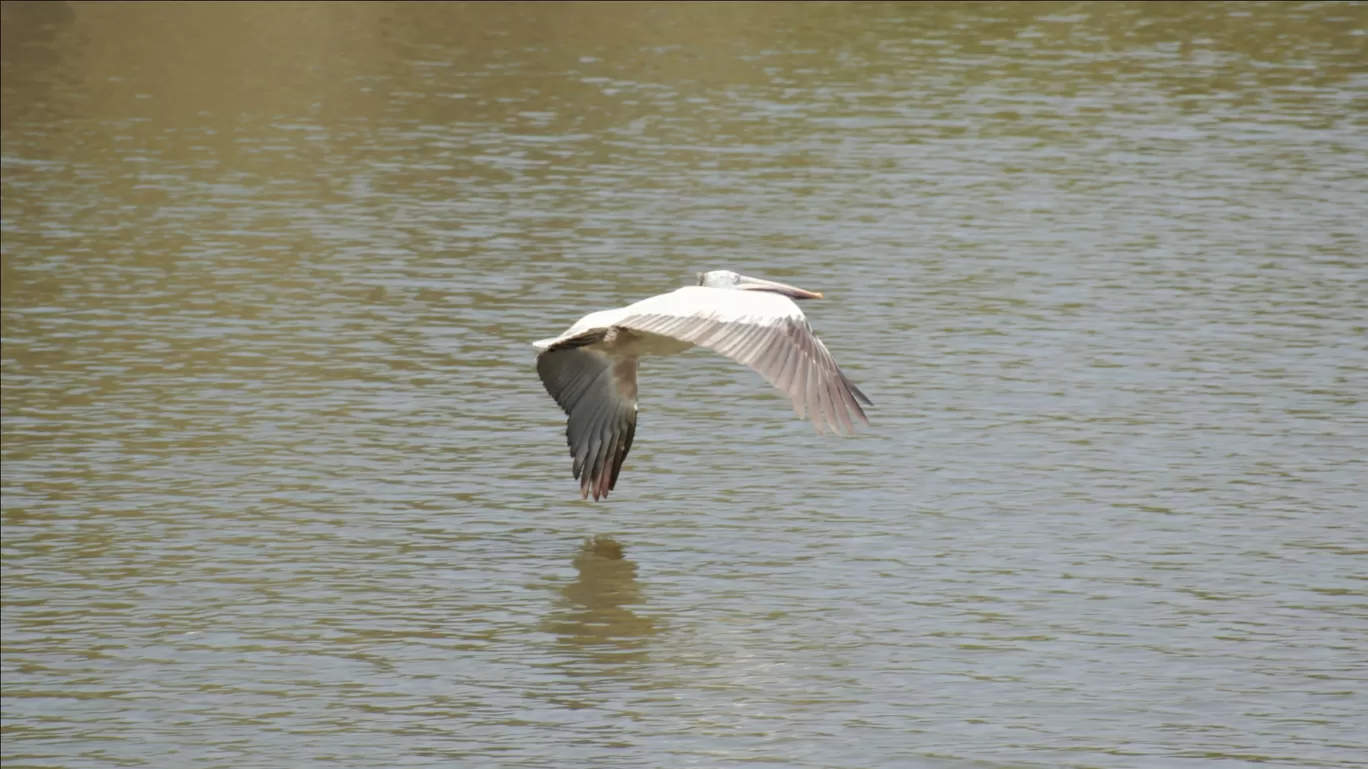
[281, 487]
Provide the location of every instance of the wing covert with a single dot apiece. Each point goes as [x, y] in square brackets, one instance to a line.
[766, 332]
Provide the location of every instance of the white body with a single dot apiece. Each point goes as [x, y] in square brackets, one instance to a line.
[698, 302]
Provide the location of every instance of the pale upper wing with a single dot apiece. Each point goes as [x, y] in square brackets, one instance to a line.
[766, 332]
[599, 397]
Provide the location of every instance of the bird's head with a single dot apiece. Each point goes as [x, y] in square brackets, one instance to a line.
[730, 280]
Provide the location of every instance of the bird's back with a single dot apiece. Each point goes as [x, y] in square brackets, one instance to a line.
[594, 320]
[719, 303]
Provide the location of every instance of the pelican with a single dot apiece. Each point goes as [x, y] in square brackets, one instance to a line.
[591, 369]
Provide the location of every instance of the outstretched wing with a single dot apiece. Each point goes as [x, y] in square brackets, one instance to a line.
[599, 395]
[766, 332]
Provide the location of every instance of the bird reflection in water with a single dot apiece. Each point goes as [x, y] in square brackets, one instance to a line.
[592, 619]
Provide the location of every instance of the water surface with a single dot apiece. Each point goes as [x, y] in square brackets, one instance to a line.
[281, 487]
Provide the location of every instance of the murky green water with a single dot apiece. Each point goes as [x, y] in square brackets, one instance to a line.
[281, 487]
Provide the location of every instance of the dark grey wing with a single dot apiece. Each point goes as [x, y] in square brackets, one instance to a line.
[599, 395]
[783, 349]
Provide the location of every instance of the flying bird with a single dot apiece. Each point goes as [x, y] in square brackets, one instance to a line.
[591, 369]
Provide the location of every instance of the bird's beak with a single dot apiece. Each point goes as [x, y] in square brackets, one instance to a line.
[758, 284]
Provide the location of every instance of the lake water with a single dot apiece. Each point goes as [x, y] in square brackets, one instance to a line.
[281, 487]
